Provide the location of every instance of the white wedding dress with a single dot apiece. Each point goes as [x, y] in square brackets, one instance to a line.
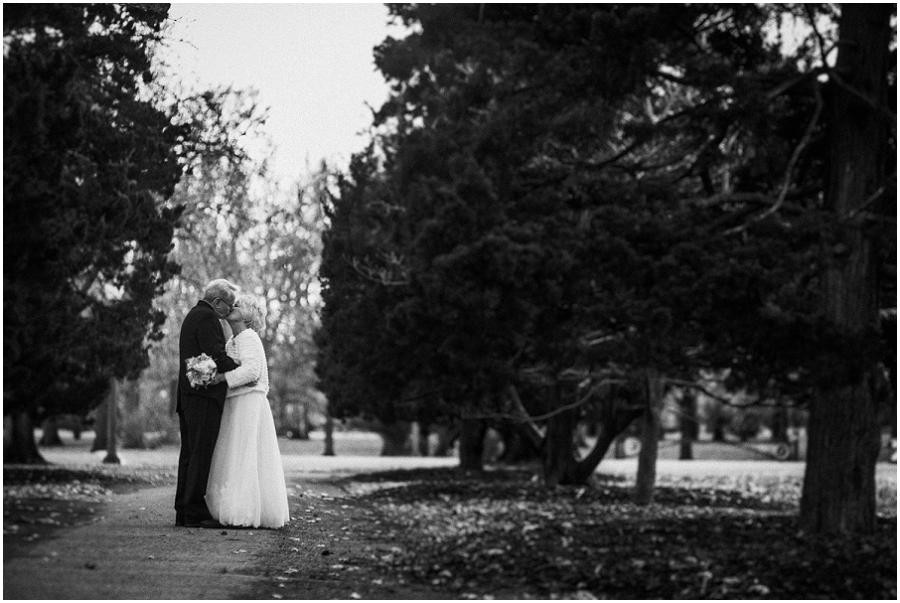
[246, 478]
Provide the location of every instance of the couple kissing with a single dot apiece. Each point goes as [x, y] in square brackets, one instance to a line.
[229, 468]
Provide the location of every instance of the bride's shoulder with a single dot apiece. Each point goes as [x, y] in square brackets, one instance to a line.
[248, 335]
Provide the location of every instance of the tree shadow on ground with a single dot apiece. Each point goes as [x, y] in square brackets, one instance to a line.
[503, 534]
[38, 500]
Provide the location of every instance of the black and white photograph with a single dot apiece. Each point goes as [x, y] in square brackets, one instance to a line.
[450, 301]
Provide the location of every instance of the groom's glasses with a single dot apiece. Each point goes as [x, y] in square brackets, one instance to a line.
[229, 306]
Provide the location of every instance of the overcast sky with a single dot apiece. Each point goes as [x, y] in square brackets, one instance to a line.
[311, 63]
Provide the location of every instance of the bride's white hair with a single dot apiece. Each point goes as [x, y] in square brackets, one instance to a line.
[252, 309]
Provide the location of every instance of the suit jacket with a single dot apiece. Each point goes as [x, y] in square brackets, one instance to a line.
[201, 333]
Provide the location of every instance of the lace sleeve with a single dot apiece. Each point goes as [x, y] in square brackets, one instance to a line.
[251, 355]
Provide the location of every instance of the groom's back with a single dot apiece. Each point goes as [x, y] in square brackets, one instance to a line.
[188, 340]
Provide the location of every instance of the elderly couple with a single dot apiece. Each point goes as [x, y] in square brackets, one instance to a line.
[229, 469]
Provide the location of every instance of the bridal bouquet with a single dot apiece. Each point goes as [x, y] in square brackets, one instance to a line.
[200, 370]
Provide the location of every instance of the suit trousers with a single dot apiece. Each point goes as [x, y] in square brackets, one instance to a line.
[199, 420]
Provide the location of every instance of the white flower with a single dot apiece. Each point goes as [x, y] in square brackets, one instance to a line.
[200, 370]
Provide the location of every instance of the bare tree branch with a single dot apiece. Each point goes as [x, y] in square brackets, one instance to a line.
[375, 275]
[789, 171]
[872, 199]
[788, 84]
[880, 108]
[820, 39]
[835, 75]
[714, 396]
[534, 432]
[523, 416]
[722, 198]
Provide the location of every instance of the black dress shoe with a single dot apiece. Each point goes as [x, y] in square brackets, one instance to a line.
[203, 523]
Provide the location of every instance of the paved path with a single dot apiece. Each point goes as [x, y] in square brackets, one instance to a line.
[133, 551]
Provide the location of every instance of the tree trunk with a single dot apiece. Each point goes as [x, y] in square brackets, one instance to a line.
[614, 422]
[329, 434]
[18, 439]
[395, 438]
[619, 450]
[650, 428]
[100, 415]
[688, 424]
[303, 426]
[893, 419]
[130, 394]
[471, 444]
[559, 445]
[132, 432]
[717, 422]
[561, 465]
[580, 436]
[422, 444]
[173, 397]
[780, 421]
[112, 403]
[50, 433]
[839, 484]
[517, 447]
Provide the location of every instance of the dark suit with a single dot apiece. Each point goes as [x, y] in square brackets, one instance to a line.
[199, 410]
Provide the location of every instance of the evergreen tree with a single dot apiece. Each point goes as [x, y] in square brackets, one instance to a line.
[359, 366]
[89, 162]
[839, 484]
[592, 201]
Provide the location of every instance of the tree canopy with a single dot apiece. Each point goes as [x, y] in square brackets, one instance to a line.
[88, 163]
[552, 192]
[561, 197]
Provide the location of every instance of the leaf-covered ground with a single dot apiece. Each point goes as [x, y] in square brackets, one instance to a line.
[501, 534]
[440, 533]
[38, 499]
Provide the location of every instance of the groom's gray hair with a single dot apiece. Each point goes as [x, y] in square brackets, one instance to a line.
[221, 288]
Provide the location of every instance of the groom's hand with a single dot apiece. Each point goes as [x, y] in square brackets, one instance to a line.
[219, 378]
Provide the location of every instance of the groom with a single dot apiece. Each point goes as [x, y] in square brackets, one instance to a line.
[200, 410]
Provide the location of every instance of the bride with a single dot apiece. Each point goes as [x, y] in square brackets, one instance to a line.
[246, 479]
